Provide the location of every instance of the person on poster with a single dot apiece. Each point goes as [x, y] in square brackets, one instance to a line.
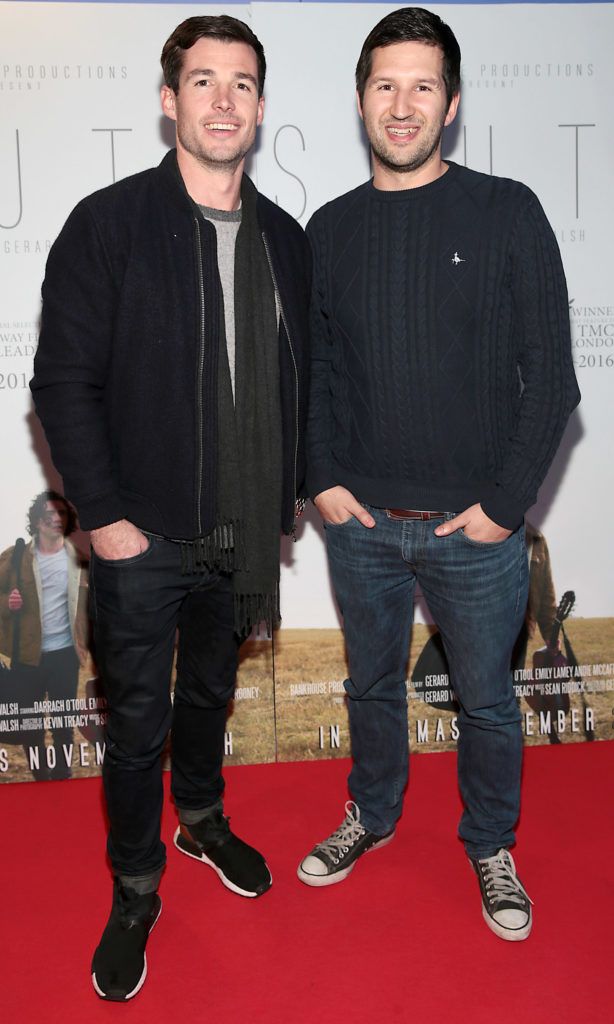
[170, 382]
[441, 384]
[542, 603]
[51, 603]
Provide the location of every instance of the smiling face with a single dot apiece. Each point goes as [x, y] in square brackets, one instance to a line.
[405, 109]
[216, 108]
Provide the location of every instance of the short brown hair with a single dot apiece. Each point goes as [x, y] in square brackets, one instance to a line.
[412, 24]
[220, 26]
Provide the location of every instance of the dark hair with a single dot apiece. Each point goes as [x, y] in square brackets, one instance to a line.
[37, 511]
[220, 26]
[412, 24]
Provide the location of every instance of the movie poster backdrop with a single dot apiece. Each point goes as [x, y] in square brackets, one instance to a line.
[79, 85]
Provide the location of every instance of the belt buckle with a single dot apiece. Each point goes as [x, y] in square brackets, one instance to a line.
[403, 514]
[409, 514]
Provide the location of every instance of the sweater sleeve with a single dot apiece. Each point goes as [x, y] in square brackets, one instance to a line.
[549, 388]
[320, 417]
[71, 368]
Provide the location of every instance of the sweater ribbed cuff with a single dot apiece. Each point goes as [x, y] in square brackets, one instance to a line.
[503, 509]
[100, 510]
[319, 478]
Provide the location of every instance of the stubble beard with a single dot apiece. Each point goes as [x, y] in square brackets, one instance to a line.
[224, 163]
[421, 155]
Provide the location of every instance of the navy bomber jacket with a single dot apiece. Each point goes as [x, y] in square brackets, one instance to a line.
[117, 381]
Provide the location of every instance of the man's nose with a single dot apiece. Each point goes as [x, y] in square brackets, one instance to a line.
[224, 99]
[402, 105]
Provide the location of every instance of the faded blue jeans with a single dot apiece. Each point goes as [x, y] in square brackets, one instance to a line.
[477, 594]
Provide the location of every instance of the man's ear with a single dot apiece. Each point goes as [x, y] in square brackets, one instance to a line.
[452, 109]
[359, 105]
[167, 99]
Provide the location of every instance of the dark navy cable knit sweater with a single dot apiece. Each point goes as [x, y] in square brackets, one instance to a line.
[441, 371]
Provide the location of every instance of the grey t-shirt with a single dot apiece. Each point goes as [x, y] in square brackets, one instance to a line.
[55, 622]
[226, 224]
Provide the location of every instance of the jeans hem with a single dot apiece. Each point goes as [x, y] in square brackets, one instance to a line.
[485, 854]
[365, 821]
[193, 815]
[143, 883]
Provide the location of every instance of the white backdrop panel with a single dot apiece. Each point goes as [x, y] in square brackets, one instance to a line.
[536, 105]
[79, 86]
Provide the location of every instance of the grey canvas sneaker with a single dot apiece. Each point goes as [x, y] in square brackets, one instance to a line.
[506, 907]
[332, 860]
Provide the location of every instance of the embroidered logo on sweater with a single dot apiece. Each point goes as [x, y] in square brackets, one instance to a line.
[456, 259]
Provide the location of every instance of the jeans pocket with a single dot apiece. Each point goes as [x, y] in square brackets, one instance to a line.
[481, 543]
[126, 561]
[337, 526]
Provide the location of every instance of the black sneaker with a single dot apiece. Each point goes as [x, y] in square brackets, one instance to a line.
[241, 868]
[119, 967]
[505, 905]
[332, 860]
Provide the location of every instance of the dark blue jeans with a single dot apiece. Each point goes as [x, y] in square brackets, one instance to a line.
[137, 606]
[477, 595]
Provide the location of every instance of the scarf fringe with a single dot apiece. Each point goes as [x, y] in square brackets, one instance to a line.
[253, 609]
[222, 550]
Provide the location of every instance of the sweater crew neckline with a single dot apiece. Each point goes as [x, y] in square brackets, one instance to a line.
[417, 193]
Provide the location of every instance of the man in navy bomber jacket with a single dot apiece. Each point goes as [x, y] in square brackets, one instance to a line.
[170, 380]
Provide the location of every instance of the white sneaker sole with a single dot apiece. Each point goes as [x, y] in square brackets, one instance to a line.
[202, 857]
[338, 876]
[509, 934]
[139, 985]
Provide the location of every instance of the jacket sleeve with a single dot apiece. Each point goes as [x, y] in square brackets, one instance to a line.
[5, 589]
[320, 417]
[71, 367]
[545, 606]
[82, 629]
[541, 606]
[549, 388]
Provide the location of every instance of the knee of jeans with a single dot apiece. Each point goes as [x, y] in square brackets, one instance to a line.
[383, 689]
[135, 746]
[493, 716]
[132, 758]
[197, 695]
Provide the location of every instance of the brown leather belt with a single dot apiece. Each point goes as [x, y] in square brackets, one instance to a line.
[411, 513]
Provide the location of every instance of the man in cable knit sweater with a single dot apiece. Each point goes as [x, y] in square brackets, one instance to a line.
[441, 384]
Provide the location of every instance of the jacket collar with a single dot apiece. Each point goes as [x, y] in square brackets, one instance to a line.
[170, 176]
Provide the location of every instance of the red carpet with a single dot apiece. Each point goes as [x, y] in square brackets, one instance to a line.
[401, 940]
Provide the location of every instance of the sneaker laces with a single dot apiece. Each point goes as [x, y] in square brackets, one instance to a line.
[501, 883]
[348, 833]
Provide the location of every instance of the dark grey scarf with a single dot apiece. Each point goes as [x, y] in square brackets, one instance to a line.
[245, 540]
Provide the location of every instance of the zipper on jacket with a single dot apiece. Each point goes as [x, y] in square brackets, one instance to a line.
[199, 378]
[289, 337]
